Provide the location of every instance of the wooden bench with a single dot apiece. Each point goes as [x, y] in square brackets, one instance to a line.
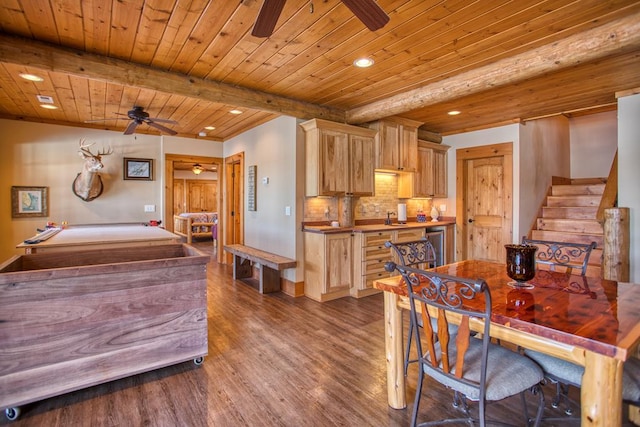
[270, 266]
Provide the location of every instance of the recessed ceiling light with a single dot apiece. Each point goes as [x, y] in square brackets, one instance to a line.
[210, 127]
[235, 112]
[31, 77]
[363, 62]
[453, 113]
[49, 106]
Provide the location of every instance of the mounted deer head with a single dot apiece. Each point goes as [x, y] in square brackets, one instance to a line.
[88, 183]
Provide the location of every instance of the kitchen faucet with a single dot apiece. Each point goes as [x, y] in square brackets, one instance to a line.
[388, 220]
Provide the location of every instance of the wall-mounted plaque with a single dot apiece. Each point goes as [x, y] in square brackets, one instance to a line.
[251, 188]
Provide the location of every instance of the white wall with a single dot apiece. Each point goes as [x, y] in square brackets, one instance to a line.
[274, 148]
[594, 140]
[629, 172]
[37, 154]
[544, 152]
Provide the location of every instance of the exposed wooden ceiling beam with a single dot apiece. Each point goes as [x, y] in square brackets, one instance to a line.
[616, 37]
[54, 58]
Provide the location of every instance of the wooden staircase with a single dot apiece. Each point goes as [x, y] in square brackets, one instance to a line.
[569, 215]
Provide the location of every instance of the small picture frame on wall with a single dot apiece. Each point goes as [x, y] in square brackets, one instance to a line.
[138, 169]
[29, 202]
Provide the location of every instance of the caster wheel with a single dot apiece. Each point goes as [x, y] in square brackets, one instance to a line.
[12, 413]
[198, 360]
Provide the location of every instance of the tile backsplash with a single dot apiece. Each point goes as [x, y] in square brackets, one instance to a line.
[376, 207]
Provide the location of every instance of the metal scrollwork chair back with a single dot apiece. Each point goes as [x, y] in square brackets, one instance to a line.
[562, 254]
[473, 367]
[416, 253]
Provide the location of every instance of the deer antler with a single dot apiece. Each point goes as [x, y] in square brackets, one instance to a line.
[105, 153]
[84, 150]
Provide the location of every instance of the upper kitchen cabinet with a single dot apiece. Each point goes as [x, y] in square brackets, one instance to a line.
[338, 159]
[430, 179]
[396, 144]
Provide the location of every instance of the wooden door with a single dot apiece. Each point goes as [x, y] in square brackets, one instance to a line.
[338, 262]
[234, 193]
[484, 202]
[179, 205]
[423, 180]
[408, 146]
[361, 179]
[334, 160]
[388, 147]
[202, 196]
[439, 173]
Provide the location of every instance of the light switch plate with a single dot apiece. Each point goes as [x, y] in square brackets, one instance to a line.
[149, 208]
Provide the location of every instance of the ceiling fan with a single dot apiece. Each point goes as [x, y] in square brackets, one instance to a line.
[367, 11]
[139, 116]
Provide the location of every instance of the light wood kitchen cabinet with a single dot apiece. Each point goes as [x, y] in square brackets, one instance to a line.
[370, 256]
[396, 144]
[338, 159]
[327, 265]
[430, 178]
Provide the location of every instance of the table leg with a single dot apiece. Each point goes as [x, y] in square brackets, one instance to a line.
[601, 391]
[396, 394]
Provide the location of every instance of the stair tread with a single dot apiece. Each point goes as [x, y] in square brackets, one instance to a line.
[577, 189]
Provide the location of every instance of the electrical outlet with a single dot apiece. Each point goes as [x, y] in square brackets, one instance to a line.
[287, 210]
[149, 208]
[443, 208]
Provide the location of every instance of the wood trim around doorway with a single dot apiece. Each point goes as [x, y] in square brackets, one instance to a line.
[168, 187]
[505, 150]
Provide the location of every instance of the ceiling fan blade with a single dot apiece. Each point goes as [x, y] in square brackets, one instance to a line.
[131, 128]
[161, 128]
[267, 18]
[368, 12]
[171, 122]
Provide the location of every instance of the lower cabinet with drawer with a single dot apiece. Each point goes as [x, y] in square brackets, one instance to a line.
[370, 255]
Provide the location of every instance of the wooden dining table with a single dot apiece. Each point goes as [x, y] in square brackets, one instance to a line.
[590, 321]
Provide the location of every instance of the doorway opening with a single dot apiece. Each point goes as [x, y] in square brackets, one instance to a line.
[188, 192]
[484, 202]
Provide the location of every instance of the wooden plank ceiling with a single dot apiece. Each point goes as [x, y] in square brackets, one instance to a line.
[193, 61]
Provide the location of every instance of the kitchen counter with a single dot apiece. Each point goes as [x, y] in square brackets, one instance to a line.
[328, 229]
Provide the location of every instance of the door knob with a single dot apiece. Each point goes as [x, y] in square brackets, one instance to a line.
[470, 220]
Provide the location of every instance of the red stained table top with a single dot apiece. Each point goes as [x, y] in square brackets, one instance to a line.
[590, 312]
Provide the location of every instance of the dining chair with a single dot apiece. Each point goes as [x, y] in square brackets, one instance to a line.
[471, 365]
[420, 254]
[568, 255]
[564, 372]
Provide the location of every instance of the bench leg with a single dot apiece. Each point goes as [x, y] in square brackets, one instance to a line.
[241, 268]
[269, 280]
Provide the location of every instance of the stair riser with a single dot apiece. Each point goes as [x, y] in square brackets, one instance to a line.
[577, 190]
[570, 225]
[572, 212]
[559, 236]
[572, 201]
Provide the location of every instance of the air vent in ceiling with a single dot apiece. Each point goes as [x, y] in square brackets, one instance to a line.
[45, 99]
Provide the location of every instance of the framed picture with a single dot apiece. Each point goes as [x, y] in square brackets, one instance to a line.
[140, 169]
[29, 202]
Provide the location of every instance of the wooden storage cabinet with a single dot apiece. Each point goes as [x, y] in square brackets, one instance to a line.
[372, 255]
[430, 179]
[338, 159]
[71, 320]
[327, 265]
[396, 144]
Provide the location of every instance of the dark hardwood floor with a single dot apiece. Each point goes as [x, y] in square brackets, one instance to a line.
[273, 360]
